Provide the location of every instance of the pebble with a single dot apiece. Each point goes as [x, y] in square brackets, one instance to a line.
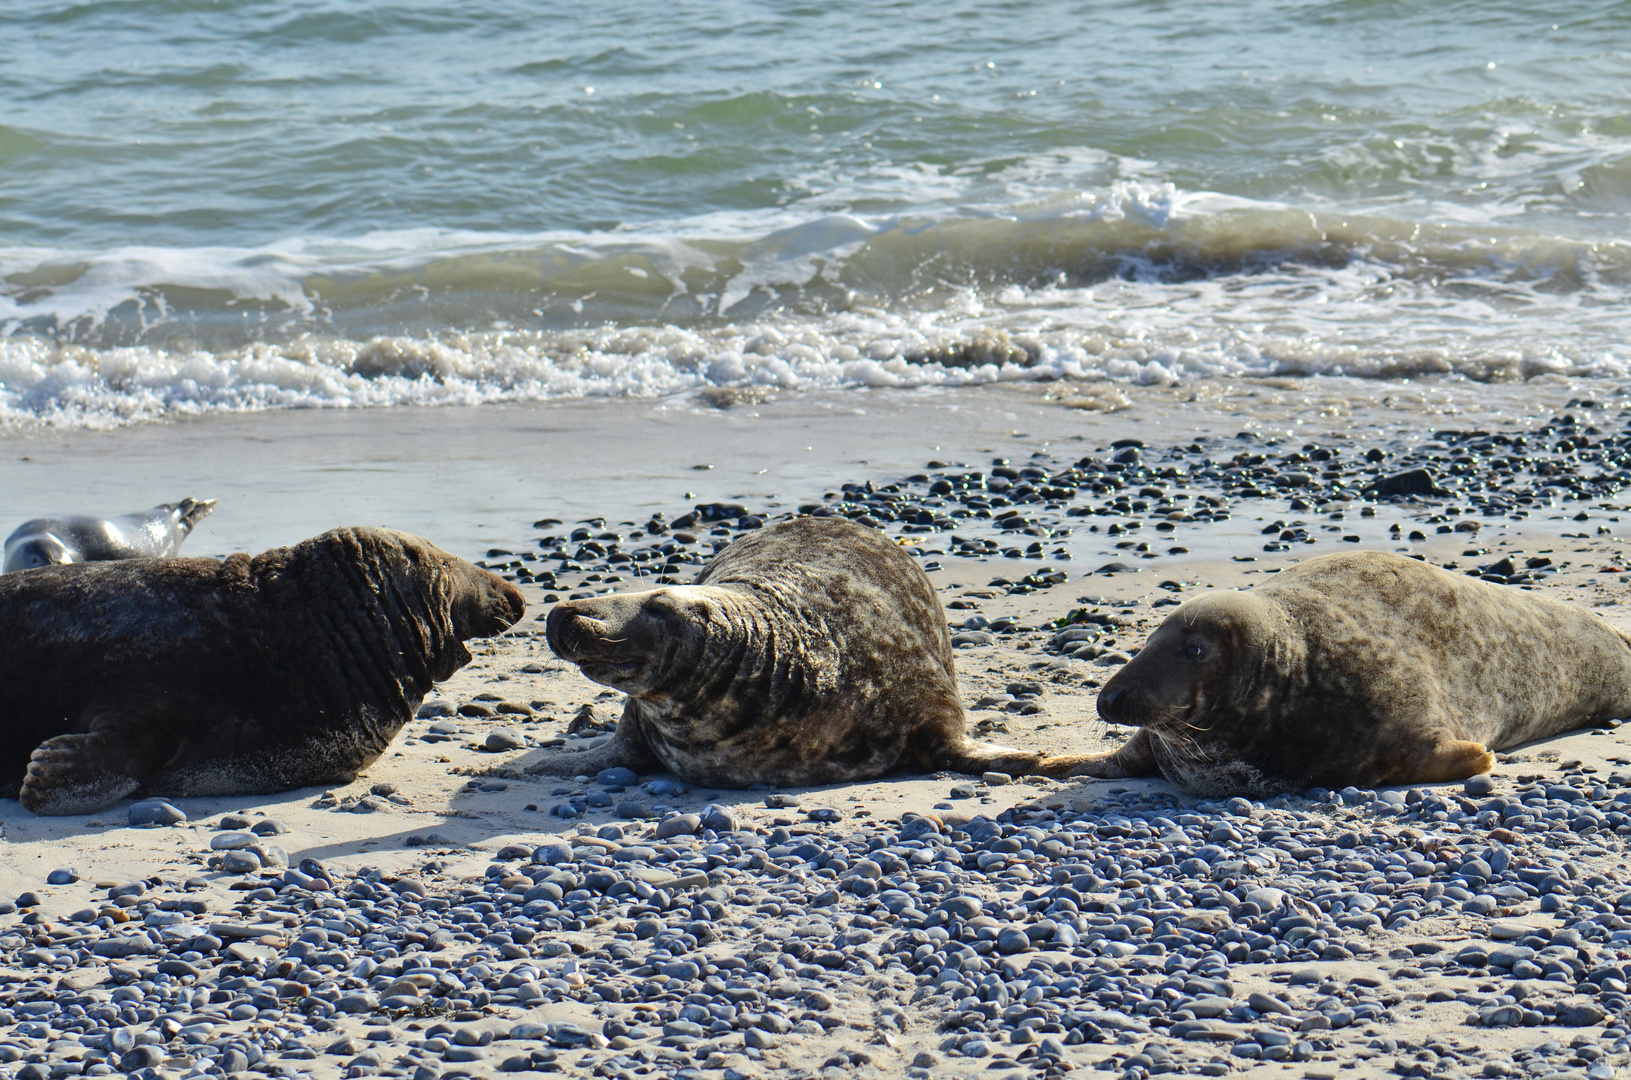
[506, 739]
[1118, 930]
[679, 825]
[155, 812]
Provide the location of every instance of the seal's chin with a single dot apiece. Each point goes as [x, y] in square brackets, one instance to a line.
[613, 673]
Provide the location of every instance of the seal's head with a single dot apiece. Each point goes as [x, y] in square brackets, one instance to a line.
[1201, 658]
[42, 549]
[481, 603]
[645, 644]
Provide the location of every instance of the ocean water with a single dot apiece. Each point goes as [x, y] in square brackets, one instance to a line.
[237, 205]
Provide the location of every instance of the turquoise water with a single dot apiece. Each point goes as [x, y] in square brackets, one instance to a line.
[250, 204]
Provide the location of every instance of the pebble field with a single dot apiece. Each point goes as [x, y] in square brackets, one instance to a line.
[630, 926]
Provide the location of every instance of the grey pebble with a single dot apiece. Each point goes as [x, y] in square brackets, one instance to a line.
[679, 825]
[155, 812]
[505, 739]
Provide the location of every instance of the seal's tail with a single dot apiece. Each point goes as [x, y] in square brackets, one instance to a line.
[194, 510]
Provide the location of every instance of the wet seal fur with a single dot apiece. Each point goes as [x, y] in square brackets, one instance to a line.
[811, 652]
[244, 676]
[146, 534]
[1362, 668]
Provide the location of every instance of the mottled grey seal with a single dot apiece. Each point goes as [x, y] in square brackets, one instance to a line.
[146, 534]
[809, 652]
[1362, 668]
[240, 676]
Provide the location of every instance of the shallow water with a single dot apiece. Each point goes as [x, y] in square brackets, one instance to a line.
[276, 203]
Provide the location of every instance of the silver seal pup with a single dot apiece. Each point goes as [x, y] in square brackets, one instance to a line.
[146, 534]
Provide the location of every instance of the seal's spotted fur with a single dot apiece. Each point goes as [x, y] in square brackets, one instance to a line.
[244, 676]
[811, 652]
[1363, 668]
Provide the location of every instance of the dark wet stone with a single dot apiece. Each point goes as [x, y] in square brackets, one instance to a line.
[1413, 482]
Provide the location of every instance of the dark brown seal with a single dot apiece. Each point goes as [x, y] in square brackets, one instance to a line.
[242, 676]
[1365, 668]
[810, 652]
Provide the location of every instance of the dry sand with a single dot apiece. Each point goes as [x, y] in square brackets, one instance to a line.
[307, 477]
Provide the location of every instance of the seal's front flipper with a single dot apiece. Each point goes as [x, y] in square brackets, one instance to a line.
[75, 774]
[1452, 759]
[1135, 758]
[627, 748]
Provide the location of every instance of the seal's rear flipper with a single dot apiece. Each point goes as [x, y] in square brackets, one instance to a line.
[1453, 759]
[627, 748]
[977, 757]
[1134, 758]
[71, 774]
[194, 510]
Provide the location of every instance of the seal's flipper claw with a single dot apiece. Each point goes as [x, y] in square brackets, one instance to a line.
[627, 748]
[1453, 759]
[69, 774]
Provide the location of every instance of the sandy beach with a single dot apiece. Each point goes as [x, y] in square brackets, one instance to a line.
[451, 810]
[1091, 309]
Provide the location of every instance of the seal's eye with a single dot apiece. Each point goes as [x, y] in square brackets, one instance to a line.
[1194, 650]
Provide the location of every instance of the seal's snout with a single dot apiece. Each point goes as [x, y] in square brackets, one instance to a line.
[571, 633]
[1112, 702]
[511, 604]
[493, 608]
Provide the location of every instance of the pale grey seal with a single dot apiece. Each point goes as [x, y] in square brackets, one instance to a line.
[809, 652]
[1363, 668]
[146, 534]
[182, 677]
